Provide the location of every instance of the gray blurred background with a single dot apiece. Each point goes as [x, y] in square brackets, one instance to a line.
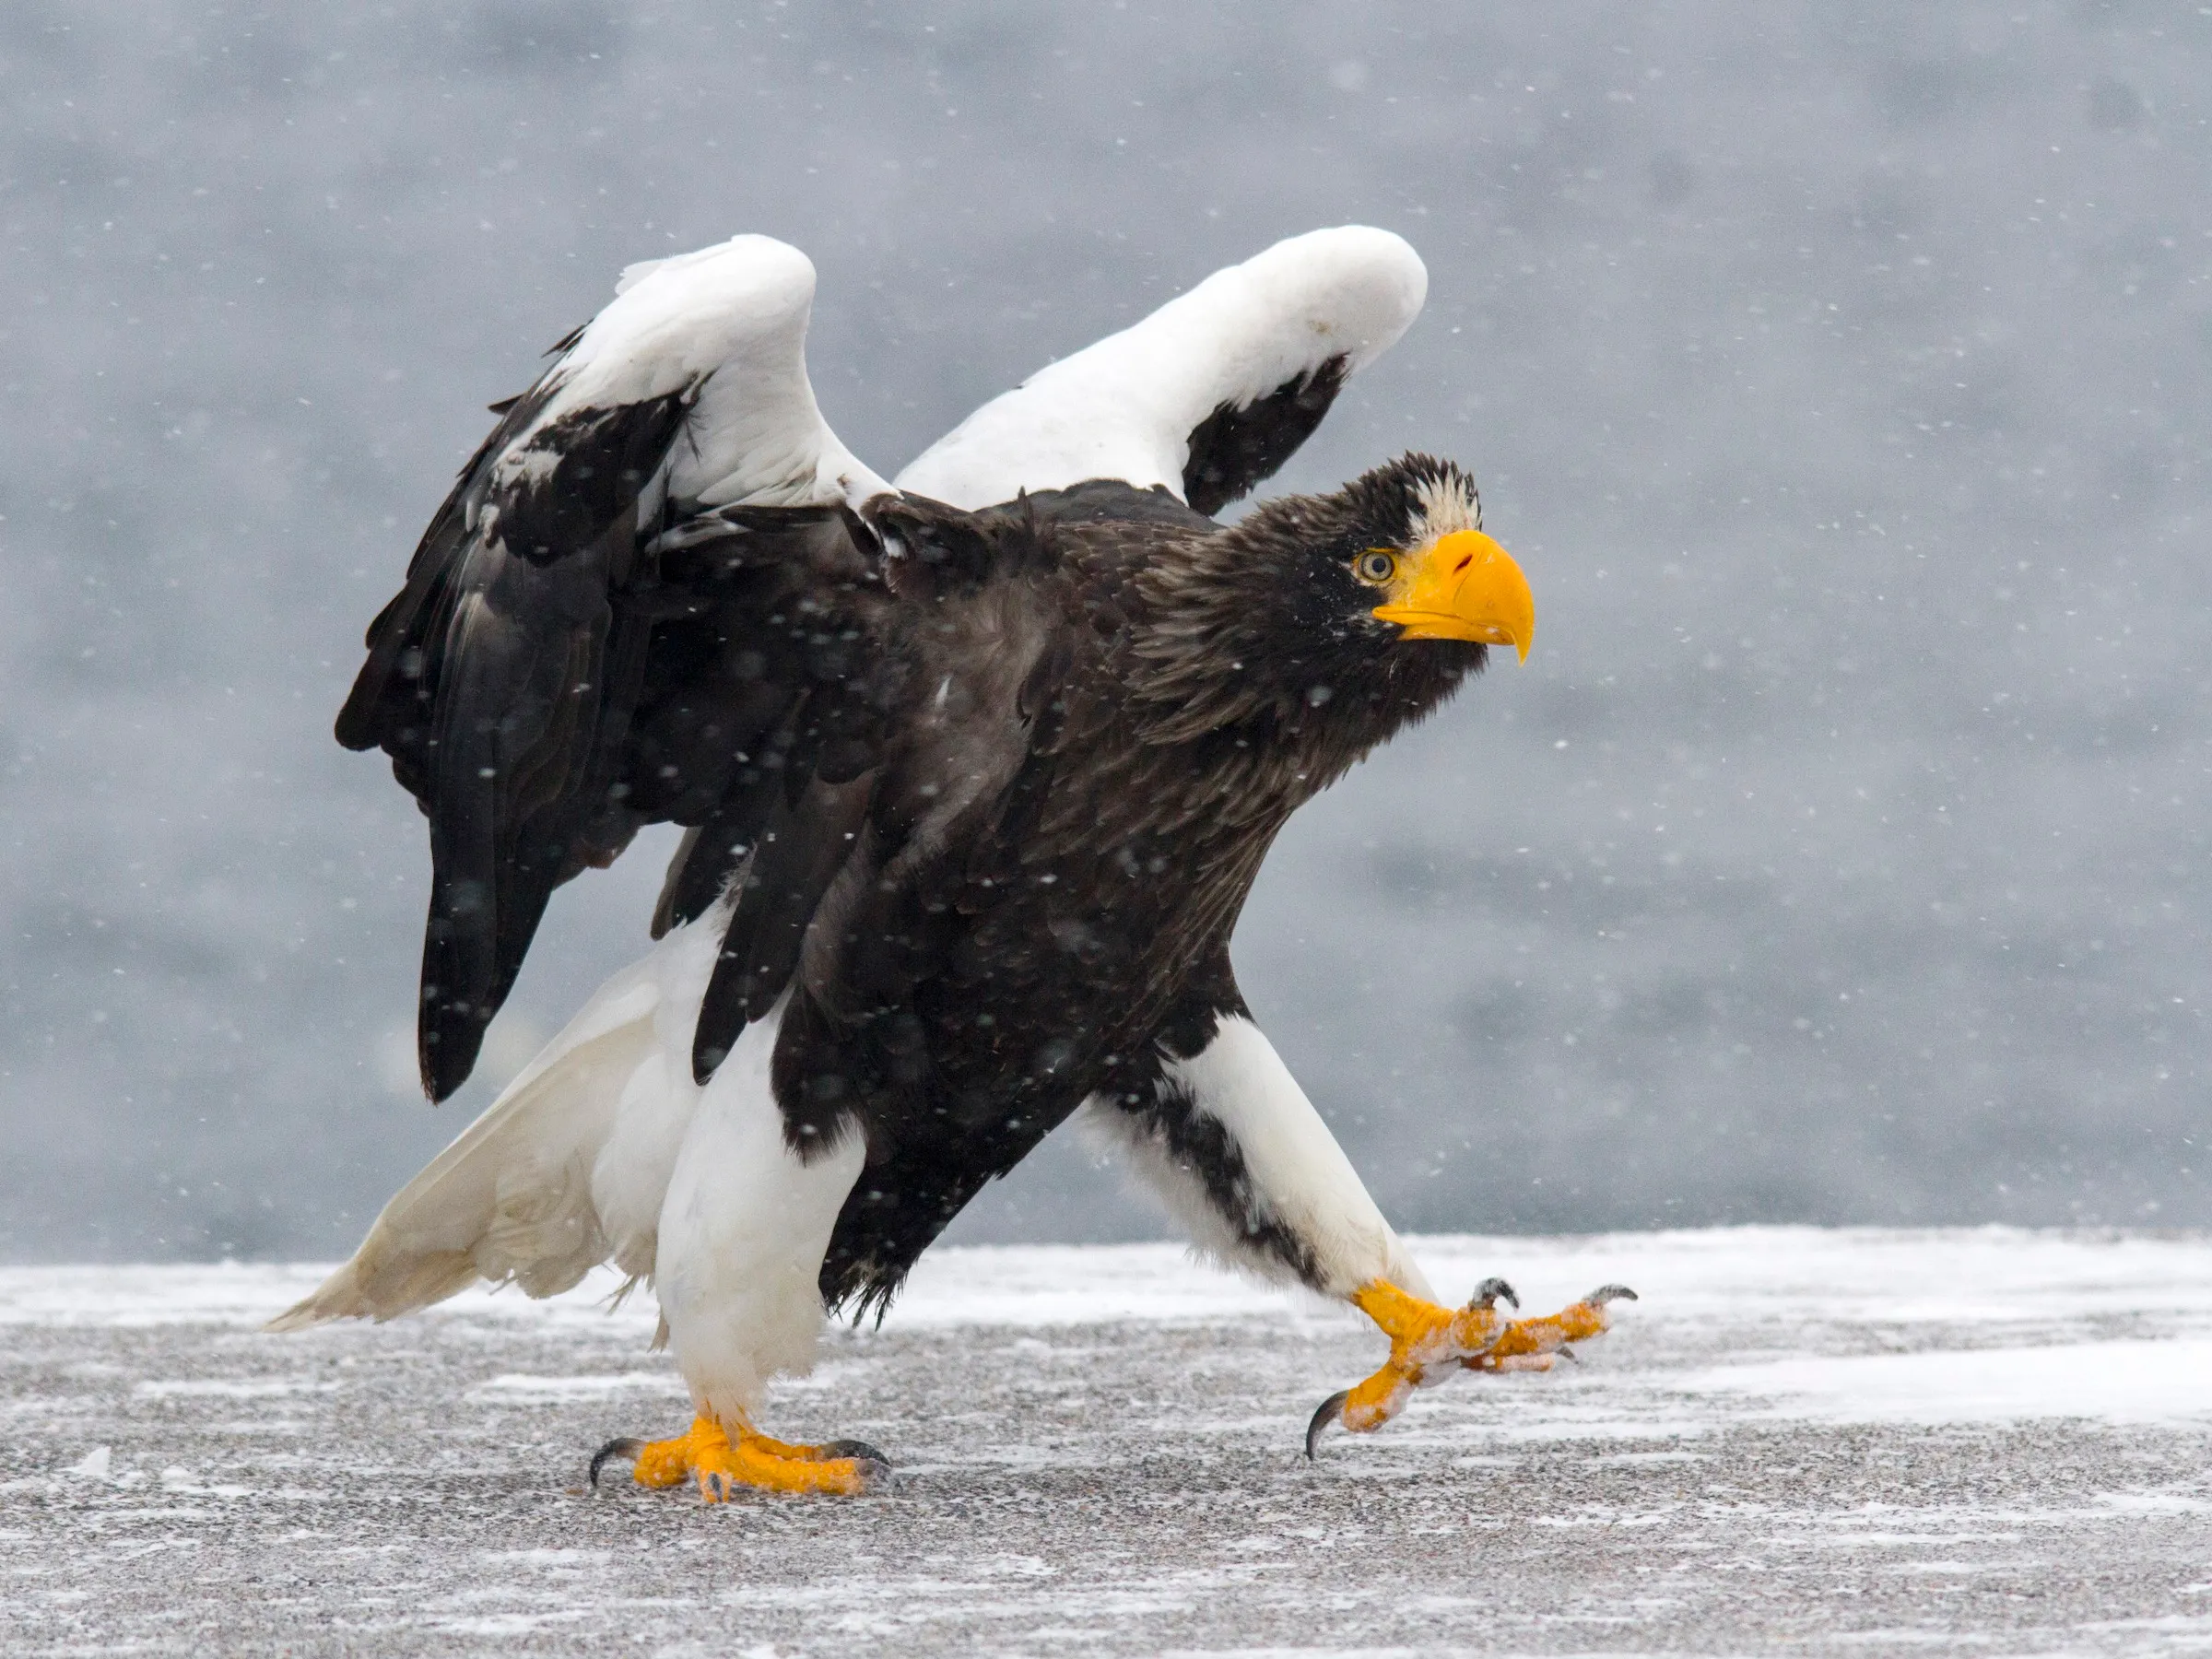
[1838, 372]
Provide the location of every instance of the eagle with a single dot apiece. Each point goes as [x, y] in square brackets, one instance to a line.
[975, 768]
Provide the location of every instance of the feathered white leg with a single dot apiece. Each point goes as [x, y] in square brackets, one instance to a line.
[1229, 1143]
[743, 1231]
[1229, 1139]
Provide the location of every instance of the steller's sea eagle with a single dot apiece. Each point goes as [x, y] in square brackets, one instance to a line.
[976, 769]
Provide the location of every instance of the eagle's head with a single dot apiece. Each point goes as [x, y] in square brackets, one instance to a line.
[1355, 612]
[1410, 561]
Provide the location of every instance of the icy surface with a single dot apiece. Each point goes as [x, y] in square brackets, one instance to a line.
[1799, 1440]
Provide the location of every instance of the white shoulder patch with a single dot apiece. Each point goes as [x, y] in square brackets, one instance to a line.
[1125, 407]
[728, 323]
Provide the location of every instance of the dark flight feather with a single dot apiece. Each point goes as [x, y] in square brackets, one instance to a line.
[1234, 448]
[555, 674]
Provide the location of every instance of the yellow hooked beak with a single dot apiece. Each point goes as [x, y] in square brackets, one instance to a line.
[1462, 586]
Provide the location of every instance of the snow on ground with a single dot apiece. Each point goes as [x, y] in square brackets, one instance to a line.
[1799, 1440]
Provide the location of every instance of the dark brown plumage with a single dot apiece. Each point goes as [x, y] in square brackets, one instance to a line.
[1134, 701]
[988, 792]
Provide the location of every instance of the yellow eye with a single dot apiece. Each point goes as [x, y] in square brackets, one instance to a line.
[1375, 566]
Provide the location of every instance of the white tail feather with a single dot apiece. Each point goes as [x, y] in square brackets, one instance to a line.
[566, 1170]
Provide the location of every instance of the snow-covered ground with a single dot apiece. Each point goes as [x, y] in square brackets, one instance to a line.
[1799, 1440]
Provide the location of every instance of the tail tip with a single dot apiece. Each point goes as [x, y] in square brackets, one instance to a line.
[337, 1297]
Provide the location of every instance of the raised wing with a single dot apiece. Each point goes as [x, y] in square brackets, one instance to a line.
[1206, 396]
[565, 663]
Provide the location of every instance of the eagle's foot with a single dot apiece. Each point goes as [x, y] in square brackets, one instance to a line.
[1531, 1344]
[725, 1462]
[1429, 1343]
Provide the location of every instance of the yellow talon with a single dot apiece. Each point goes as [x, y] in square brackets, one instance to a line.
[669, 1463]
[723, 1463]
[1529, 1344]
[1423, 1337]
[1429, 1343]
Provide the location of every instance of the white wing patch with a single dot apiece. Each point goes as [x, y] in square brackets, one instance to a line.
[726, 325]
[1125, 407]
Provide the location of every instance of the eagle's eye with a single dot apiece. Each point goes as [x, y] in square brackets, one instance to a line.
[1375, 566]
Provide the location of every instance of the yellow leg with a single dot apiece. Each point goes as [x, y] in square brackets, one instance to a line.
[1423, 1338]
[723, 1461]
[1429, 1343]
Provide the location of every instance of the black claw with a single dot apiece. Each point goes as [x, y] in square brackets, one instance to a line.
[614, 1448]
[1565, 1352]
[1490, 1291]
[875, 1476]
[1606, 1293]
[855, 1449]
[1331, 1409]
